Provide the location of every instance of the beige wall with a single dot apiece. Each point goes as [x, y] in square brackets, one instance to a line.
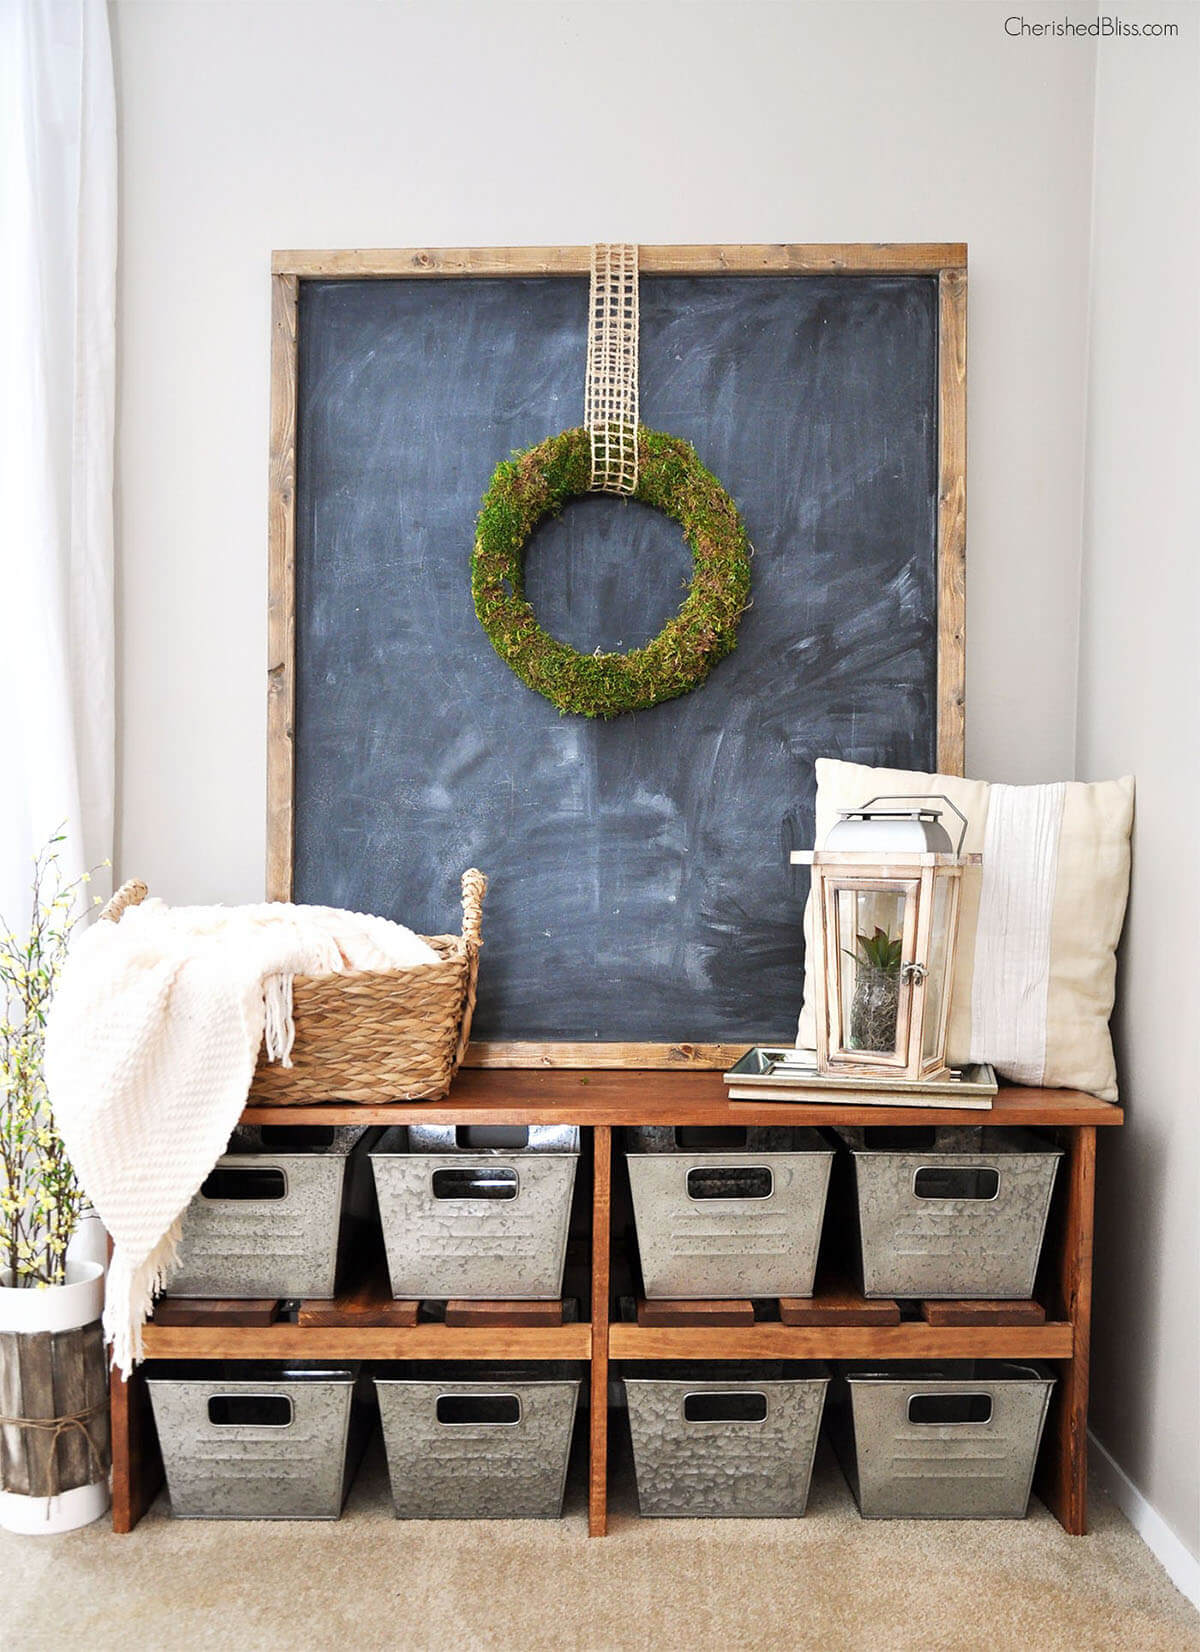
[1139, 711]
[249, 126]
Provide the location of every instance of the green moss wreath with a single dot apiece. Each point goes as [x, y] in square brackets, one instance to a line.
[671, 478]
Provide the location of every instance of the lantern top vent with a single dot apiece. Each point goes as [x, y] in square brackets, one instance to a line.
[914, 830]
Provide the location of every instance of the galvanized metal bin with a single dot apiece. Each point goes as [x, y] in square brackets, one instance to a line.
[476, 1211]
[956, 1212]
[724, 1440]
[246, 1441]
[941, 1442]
[727, 1212]
[474, 1442]
[275, 1213]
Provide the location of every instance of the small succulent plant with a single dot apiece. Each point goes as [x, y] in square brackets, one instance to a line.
[875, 1005]
[878, 951]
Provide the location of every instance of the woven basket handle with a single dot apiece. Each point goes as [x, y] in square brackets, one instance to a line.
[474, 888]
[132, 893]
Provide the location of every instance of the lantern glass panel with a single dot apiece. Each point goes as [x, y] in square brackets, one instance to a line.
[870, 933]
[936, 997]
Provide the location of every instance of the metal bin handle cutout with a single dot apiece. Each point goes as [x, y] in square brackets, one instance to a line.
[250, 1411]
[735, 1181]
[476, 1410]
[738, 1406]
[477, 1182]
[948, 1410]
[956, 1181]
[251, 1182]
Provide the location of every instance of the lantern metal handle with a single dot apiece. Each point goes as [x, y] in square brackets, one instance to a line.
[919, 797]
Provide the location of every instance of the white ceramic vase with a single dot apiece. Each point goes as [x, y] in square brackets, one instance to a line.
[55, 1308]
[89, 1242]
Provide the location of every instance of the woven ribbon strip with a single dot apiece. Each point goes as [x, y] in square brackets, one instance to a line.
[610, 403]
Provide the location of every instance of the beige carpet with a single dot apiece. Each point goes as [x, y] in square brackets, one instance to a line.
[368, 1583]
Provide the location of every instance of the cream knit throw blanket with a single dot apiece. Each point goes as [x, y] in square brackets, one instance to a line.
[153, 1039]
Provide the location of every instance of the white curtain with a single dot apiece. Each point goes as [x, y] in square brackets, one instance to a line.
[58, 248]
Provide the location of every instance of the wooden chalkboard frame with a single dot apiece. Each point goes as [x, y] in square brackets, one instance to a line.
[945, 260]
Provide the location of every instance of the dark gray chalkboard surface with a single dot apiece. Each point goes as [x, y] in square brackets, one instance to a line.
[640, 886]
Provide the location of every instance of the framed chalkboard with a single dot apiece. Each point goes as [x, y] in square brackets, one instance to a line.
[642, 910]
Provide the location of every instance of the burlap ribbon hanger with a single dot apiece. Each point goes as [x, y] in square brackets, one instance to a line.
[610, 403]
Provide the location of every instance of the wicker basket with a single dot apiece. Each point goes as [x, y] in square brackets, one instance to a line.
[373, 1035]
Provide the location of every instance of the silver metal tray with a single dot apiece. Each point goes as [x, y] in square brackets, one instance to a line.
[792, 1074]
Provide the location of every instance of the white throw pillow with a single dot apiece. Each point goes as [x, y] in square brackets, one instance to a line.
[1040, 919]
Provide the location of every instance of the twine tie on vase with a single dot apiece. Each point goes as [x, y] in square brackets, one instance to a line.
[610, 400]
[59, 1427]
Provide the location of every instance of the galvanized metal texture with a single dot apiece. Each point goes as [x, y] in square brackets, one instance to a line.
[299, 1469]
[493, 1138]
[916, 1243]
[715, 1223]
[900, 1467]
[478, 1443]
[284, 1246]
[337, 1139]
[724, 1468]
[500, 1235]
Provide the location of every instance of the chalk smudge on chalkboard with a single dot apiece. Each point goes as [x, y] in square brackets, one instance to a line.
[640, 884]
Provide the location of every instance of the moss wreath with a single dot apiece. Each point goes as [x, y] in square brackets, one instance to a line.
[671, 478]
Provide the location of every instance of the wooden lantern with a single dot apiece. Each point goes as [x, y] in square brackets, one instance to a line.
[886, 890]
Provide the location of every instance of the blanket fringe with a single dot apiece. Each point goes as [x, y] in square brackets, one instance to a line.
[129, 1297]
[279, 1031]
